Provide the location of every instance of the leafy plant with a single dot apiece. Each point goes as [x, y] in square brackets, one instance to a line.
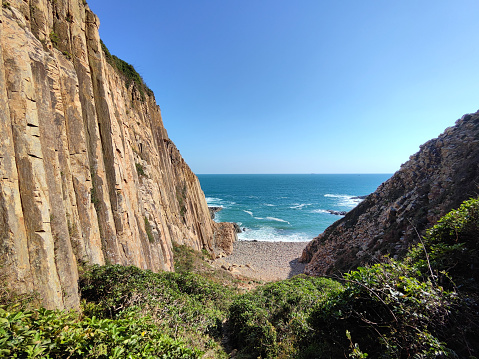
[272, 320]
[181, 198]
[149, 232]
[452, 248]
[182, 305]
[387, 310]
[140, 169]
[54, 38]
[55, 334]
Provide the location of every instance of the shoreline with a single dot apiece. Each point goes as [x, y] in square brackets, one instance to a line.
[264, 261]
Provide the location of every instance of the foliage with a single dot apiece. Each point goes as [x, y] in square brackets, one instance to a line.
[397, 309]
[67, 55]
[452, 248]
[181, 198]
[45, 333]
[54, 38]
[388, 311]
[449, 254]
[149, 232]
[128, 71]
[188, 260]
[185, 258]
[183, 305]
[140, 169]
[272, 321]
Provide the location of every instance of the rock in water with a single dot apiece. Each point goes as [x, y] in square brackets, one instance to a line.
[438, 178]
[214, 210]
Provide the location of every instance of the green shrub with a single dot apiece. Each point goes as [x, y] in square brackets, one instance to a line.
[272, 321]
[54, 38]
[452, 247]
[388, 312]
[182, 305]
[251, 329]
[149, 232]
[140, 170]
[54, 334]
[128, 71]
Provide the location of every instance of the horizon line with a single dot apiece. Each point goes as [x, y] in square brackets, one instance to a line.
[297, 173]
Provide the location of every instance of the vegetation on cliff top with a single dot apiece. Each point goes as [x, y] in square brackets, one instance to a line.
[425, 306]
[128, 71]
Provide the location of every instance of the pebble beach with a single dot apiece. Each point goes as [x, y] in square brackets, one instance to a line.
[264, 261]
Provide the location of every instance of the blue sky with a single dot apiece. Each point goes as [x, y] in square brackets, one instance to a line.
[304, 86]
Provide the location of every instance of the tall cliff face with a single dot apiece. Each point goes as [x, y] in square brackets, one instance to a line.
[438, 178]
[88, 172]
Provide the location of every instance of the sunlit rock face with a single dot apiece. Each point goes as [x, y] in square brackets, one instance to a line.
[88, 173]
[444, 173]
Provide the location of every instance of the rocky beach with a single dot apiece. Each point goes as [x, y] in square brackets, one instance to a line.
[265, 261]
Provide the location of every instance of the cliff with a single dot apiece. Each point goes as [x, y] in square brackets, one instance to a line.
[88, 173]
[438, 178]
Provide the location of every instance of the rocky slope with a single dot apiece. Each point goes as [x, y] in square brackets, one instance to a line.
[87, 171]
[444, 173]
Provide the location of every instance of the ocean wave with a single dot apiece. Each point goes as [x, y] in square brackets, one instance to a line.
[277, 219]
[249, 212]
[269, 205]
[213, 200]
[319, 211]
[345, 199]
[219, 202]
[300, 205]
[270, 234]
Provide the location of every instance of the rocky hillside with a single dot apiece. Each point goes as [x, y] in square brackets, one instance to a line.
[87, 171]
[444, 173]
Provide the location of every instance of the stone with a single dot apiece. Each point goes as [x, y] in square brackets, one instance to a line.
[438, 178]
[88, 173]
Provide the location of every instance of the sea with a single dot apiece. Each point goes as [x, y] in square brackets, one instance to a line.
[285, 207]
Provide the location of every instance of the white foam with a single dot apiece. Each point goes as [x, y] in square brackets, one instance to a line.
[249, 212]
[269, 234]
[300, 205]
[269, 205]
[277, 219]
[319, 211]
[345, 200]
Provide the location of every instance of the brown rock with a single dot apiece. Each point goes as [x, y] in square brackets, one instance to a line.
[88, 172]
[438, 178]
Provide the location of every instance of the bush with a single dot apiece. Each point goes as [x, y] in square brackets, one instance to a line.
[182, 305]
[388, 312]
[272, 321]
[128, 71]
[452, 248]
[54, 334]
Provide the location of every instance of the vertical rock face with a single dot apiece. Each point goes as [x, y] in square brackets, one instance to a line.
[88, 173]
[438, 178]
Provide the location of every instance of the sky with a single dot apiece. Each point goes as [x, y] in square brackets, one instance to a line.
[303, 86]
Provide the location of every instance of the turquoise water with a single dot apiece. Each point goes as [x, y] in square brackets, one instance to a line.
[285, 207]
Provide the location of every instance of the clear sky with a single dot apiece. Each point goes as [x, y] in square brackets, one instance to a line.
[303, 86]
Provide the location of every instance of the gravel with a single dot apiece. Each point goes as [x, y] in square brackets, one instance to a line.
[265, 261]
